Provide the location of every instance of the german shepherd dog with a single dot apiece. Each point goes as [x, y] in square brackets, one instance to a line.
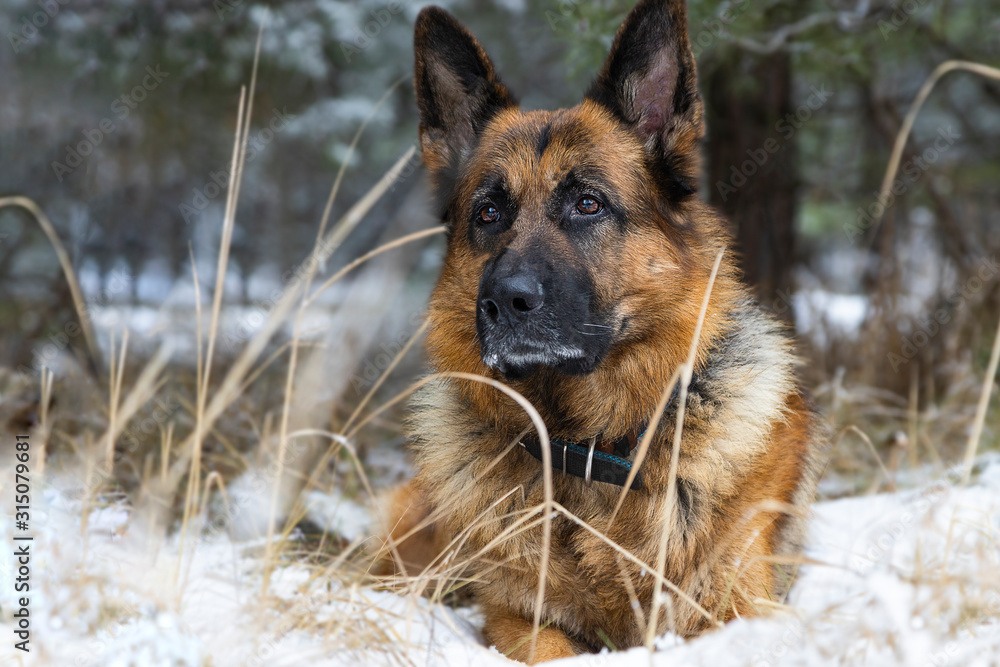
[579, 257]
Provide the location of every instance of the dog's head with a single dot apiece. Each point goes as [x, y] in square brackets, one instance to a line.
[574, 234]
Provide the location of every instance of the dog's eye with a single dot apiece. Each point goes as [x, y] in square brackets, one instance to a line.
[488, 214]
[589, 206]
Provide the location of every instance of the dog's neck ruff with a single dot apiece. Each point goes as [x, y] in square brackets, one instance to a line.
[594, 460]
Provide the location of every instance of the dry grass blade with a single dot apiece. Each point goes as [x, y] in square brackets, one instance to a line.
[199, 360]
[229, 388]
[194, 476]
[661, 580]
[346, 224]
[446, 555]
[145, 388]
[286, 412]
[228, 222]
[445, 569]
[362, 475]
[644, 444]
[202, 517]
[116, 375]
[984, 401]
[409, 238]
[722, 548]
[44, 427]
[499, 457]
[871, 447]
[290, 377]
[238, 160]
[335, 190]
[911, 116]
[913, 415]
[670, 504]
[67, 267]
[321, 253]
[543, 437]
[392, 365]
[395, 400]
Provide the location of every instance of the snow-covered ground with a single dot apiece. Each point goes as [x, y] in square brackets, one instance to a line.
[911, 578]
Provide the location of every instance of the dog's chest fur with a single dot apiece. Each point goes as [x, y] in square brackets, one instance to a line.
[491, 502]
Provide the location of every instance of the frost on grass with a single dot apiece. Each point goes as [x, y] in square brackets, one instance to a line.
[910, 578]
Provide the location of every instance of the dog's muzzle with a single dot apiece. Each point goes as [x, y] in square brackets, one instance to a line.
[528, 316]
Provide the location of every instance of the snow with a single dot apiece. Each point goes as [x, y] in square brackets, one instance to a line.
[818, 311]
[908, 578]
[336, 514]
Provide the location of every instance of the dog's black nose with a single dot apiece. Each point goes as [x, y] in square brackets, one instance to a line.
[516, 296]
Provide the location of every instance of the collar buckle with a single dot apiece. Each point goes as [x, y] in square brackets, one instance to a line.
[590, 460]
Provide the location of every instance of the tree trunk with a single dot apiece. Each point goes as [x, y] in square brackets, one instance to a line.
[752, 165]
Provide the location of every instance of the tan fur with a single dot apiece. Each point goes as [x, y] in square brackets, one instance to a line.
[414, 540]
[750, 440]
[511, 635]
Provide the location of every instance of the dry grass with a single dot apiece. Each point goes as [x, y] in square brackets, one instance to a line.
[233, 413]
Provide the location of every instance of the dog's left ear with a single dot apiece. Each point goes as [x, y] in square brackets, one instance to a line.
[650, 82]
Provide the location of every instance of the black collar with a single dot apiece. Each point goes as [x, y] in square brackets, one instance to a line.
[586, 461]
[583, 459]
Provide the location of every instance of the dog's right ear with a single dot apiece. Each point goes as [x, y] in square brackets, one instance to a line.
[650, 82]
[457, 89]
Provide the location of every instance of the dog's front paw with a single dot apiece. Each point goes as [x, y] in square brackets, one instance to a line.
[511, 635]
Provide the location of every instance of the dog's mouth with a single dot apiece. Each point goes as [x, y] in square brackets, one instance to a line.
[520, 359]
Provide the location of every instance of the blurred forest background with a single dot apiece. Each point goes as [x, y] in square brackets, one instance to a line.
[117, 117]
